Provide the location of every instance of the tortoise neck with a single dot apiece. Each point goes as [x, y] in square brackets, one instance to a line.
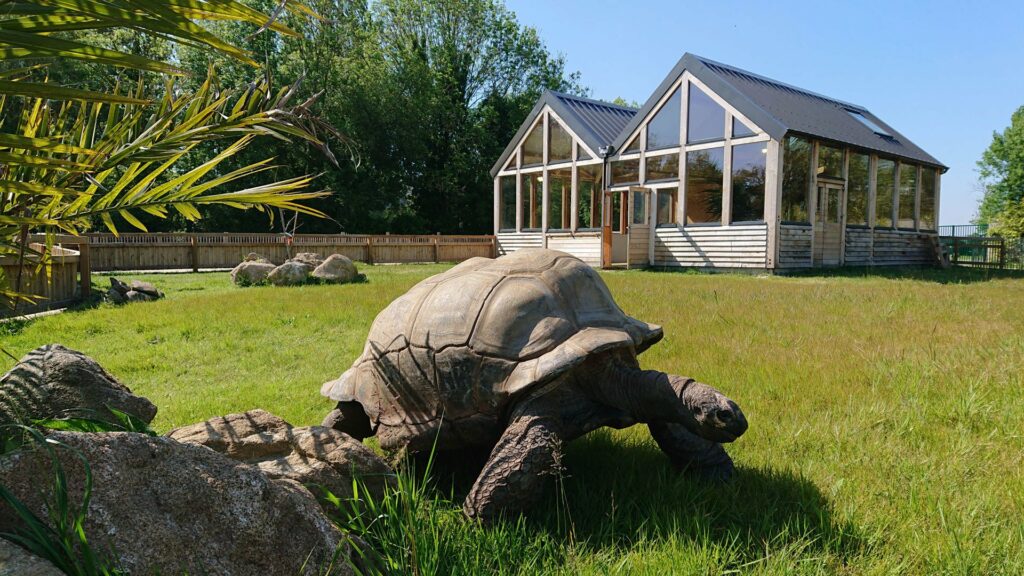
[648, 395]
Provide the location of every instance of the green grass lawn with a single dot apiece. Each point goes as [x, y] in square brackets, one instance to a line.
[886, 416]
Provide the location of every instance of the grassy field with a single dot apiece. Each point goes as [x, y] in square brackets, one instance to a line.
[886, 417]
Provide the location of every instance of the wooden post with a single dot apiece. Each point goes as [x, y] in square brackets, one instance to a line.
[369, 249]
[494, 246]
[85, 268]
[435, 241]
[193, 251]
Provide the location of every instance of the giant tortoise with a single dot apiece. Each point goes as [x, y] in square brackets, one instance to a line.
[519, 355]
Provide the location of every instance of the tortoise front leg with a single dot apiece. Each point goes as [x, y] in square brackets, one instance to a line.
[513, 478]
[691, 453]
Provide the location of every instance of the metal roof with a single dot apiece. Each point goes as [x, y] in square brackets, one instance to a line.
[597, 123]
[779, 109]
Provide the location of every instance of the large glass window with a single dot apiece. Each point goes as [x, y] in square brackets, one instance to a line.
[928, 199]
[885, 190]
[666, 206]
[581, 154]
[830, 161]
[857, 190]
[507, 203]
[705, 118]
[559, 143]
[533, 199]
[748, 169]
[663, 129]
[704, 186]
[908, 195]
[664, 167]
[633, 146]
[626, 172]
[559, 199]
[740, 130]
[796, 179]
[533, 146]
[639, 207]
[588, 179]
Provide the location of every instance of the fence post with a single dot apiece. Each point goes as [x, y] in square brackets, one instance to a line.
[369, 250]
[193, 252]
[85, 268]
[494, 246]
[1002, 253]
[956, 250]
[435, 240]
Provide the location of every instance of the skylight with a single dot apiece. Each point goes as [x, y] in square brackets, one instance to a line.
[871, 125]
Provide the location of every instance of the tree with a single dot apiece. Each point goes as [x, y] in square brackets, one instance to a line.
[1002, 175]
[72, 154]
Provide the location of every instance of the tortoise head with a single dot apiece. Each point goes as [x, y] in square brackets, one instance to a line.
[708, 412]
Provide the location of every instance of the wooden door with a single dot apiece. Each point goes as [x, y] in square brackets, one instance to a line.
[828, 226]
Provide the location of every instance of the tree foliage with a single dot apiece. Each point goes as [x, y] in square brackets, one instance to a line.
[1002, 174]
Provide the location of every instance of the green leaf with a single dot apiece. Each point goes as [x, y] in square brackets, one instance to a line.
[52, 92]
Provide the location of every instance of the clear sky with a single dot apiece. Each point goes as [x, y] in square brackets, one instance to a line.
[945, 74]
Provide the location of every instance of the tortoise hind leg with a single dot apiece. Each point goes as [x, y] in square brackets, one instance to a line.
[350, 418]
[691, 453]
[513, 478]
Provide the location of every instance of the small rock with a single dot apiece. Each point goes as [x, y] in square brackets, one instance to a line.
[146, 288]
[119, 286]
[254, 257]
[337, 269]
[133, 296]
[310, 455]
[53, 382]
[290, 274]
[16, 561]
[251, 272]
[310, 258]
[115, 296]
[164, 507]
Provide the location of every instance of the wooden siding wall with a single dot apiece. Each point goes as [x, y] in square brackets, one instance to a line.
[712, 246]
[584, 245]
[62, 287]
[511, 241]
[794, 246]
[195, 251]
[889, 248]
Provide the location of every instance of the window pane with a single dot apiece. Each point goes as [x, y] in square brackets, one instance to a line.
[626, 172]
[665, 167]
[739, 129]
[928, 199]
[589, 210]
[533, 146]
[666, 206]
[559, 143]
[581, 154]
[857, 190]
[908, 193]
[633, 146]
[617, 212]
[533, 199]
[559, 199]
[507, 203]
[511, 164]
[706, 119]
[639, 207]
[796, 179]
[830, 161]
[704, 186]
[748, 168]
[885, 189]
[663, 129]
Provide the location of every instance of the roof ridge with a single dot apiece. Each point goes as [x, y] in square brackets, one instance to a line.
[593, 101]
[779, 83]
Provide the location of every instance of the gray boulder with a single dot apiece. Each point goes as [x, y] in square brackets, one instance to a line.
[53, 381]
[146, 288]
[137, 291]
[16, 561]
[336, 269]
[311, 455]
[163, 507]
[251, 272]
[290, 273]
[255, 257]
[309, 258]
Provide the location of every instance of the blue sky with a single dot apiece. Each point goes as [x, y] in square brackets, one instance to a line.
[945, 74]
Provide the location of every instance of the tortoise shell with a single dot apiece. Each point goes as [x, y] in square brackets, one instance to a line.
[460, 347]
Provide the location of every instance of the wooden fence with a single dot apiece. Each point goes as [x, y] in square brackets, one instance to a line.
[56, 287]
[203, 251]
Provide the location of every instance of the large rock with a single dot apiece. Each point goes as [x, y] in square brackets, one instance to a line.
[337, 269]
[53, 381]
[256, 257]
[309, 258]
[137, 291]
[251, 272]
[164, 507]
[146, 288]
[290, 273]
[16, 561]
[311, 455]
